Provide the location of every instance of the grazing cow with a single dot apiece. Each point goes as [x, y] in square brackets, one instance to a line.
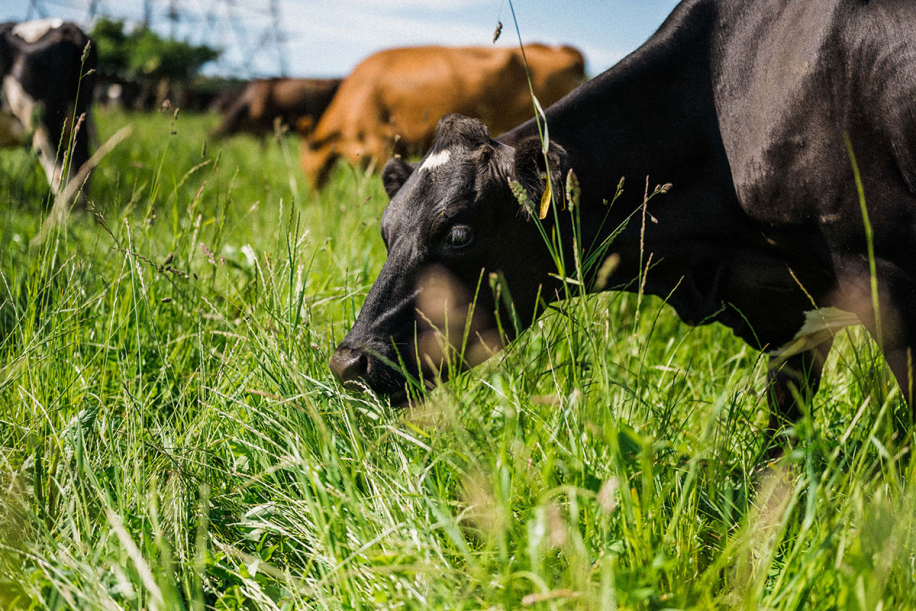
[47, 88]
[298, 102]
[392, 100]
[745, 108]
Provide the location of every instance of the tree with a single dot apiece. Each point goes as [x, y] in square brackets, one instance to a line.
[158, 58]
[143, 57]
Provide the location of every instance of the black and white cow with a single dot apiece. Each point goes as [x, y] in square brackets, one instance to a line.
[745, 108]
[46, 88]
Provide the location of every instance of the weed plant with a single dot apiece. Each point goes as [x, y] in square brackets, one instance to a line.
[172, 438]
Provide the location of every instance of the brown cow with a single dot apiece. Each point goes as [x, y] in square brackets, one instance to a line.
[392, 101]
[296, 101]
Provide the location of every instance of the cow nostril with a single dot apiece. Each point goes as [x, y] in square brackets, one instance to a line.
[349, 366]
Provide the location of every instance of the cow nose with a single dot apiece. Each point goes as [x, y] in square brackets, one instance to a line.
[350, 367]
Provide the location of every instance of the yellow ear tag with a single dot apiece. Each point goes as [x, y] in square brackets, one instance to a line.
[545, 201]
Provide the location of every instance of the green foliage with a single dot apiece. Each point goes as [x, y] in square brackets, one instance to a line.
[171, 436]
[142, 53]
[112, 47]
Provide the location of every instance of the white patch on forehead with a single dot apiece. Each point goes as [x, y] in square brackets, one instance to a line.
[30, 31]
[435, 160]
[819, 326]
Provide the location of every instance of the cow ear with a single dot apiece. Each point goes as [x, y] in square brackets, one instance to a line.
[530, 167]
[395, 174]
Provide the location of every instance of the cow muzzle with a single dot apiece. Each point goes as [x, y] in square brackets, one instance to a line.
[360, 368]
[350, 367]
[445, 332]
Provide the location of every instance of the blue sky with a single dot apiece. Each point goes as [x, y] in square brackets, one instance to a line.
[329, 37]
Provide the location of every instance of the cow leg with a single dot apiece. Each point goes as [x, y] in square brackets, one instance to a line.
[897, 298]
[899, 349]
[792, 382]
[901, 361]
[900, 353]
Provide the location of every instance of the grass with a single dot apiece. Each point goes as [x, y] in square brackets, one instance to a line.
[171, 436]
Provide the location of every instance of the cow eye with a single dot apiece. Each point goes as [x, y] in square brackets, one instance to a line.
[459, 237]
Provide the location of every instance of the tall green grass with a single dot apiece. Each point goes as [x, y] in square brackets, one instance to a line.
[171, 436]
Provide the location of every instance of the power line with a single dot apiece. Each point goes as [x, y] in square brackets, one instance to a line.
[256, 41]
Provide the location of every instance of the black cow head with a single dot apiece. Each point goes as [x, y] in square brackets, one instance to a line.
[453, 221]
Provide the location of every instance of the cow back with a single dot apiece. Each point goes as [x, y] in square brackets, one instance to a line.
[392, 101]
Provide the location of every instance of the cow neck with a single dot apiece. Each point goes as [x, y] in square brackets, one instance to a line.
[653, 114]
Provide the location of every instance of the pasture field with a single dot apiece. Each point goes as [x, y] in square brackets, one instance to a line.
[171, 436]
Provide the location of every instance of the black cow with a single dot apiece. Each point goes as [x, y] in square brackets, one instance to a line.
[46, 87]
[744, 108]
